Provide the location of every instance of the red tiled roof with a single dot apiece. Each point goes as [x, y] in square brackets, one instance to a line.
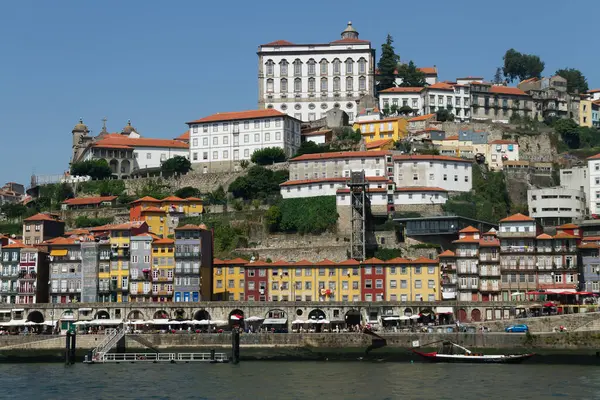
[171, 198]
[350, 261]
[517, 218]
[423, 260]
[403, 90]
[237, 260]
[146, 199]
[489, 243]
[217, 261]
[188, 227]
[422, 118]
[596, 157]
[419, 189]
[507, 90]
[304, 262]
[113, 140]
[327, 180]
[120, 227]
[466, 240]
[41, 217]
[428, 70]
[397, 260]
[79, 201]
[544, 236]
[568, 226]
[447, 253]
[279, 43]
[529, 80]
[258, 263]
[230, 116]
[373, 260]
[469, 229]
[378, 143]
[589, 246]
[111, 146]
[441, 86]
[325, 262]
[164, 241]
[426, 157]
[341, 154]
[563, 235]
[591, 238]
[193, 199]
[61, 241]
[154, 209]
[369, 190]
[280, 263]
[500, 141]
[79, 231]
[16, 245]
[455, 137]
[184, 136]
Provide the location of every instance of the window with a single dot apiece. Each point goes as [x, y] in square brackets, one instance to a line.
[283, 85]
[225, 154]
[270, 66]
[311, 85]
[349, 66]
[362, 83]
[368, 284]
[336, 84]
[215, 155]
[430, 283]
[336, 66]
[418, 284]
[297, 85]
[349, 84]
[323, 84]
[269, 85]
[362, 66]
[311, 66]
[393, 284]
[283, 68]
[257, 137]
[215, 141]
[323, 67]
[205, 141]
[297, 67]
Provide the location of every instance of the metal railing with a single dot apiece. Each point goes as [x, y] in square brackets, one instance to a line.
[111, 340]
[161, 357]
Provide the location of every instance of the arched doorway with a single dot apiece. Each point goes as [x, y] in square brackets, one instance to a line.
[35, 316]
[427, 315]
[102, 315]
[353, 318]
[125, 167]
[408, 311]
[135, 315]
[201, 315]
[114, 166]
[316, 314]
[462, 315]
[236, 318]
[161, 314]
[179, 314]
[475, 315]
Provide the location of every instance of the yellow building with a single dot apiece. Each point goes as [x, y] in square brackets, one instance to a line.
[395, 128]
[163, 269]
[229, 279]
[585, 113]
[192, 206]
[412, 280]
[156, 218]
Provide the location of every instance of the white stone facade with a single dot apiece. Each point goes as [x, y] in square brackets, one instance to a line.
[326, 187]
[594, 179]
[339, 164]
[556, 203]
[576, 178]
[306, 80]
[220, 141]
[449, 173]
[501, 151]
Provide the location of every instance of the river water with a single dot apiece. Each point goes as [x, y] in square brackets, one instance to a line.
[299, 380]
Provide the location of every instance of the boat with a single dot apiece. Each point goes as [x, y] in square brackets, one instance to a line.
[453, 353]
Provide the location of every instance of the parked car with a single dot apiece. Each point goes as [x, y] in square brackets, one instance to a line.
[517, 328]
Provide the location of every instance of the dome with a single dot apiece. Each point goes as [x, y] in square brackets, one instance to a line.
[80, 127]
[128, 128]
[350, 32]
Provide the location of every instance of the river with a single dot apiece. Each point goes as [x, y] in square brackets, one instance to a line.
[299, 380]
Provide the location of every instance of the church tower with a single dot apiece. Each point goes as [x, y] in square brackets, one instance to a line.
[350, 32]
[80, 131]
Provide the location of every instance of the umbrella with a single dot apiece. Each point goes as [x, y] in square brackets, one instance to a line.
[549, 304]
[236, 317]
[201, 322]
[403, 318]
[253, 319]
[323, 321]
[391, 319]
[30, 323]
[217, 322]
[517, 294]
[298, 321]
[414, 317]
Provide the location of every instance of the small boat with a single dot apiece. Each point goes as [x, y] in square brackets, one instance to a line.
[453, 353]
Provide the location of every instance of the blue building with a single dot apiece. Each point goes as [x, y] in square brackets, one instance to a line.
[590, 266]
[193, 263]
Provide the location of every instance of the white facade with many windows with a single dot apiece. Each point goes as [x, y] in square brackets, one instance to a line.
[326, 186]
[449, 173]
[306, 80]
[220, 141]
[594, 178]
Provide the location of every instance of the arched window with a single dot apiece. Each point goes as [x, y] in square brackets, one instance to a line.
[311, 85]
[349, 84]
[349, 66]
[362, 66]
[337, 66]
[270, 85]
[270, 66]
[336, 84]
[323, 84]
[362, 83]
[283, 68]
[297, 67]
[324, 67]
[283, 85]
[311, 66]
[297, 85]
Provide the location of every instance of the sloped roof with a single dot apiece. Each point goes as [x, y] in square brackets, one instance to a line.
[373, 260]
[469, 229]
[41, 217]
[81, 201]
[235, 115]
[517, 218]
[544, 236]
[422, 118]
[423, 260]
[447, 253]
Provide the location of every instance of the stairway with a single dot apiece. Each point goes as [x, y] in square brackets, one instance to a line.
[108, 343]
[593, 325]
[143, 342]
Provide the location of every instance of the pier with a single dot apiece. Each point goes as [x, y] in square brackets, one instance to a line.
[212, 358]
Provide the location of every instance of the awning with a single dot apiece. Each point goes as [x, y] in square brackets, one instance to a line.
[85, 309]
[275, 321]
[444, 310]
[160, 321]
[13, 322]
[254, 319]
[403, 318]
[236, 317]
[391, 319]
[17, 310]
[299, 321]
[561, 290]
[106, 322]
[59, 253]
[4, 311]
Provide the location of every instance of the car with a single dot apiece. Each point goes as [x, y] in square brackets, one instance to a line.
[517, 328]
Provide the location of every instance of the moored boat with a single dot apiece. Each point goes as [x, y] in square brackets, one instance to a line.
[453, 353]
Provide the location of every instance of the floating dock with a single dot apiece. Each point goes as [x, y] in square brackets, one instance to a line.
[212, 358]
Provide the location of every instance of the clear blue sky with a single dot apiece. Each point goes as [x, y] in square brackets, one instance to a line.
[163, 63]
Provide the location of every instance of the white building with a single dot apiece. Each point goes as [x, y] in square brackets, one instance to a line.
[594, 179]
[340, 164]
[556, 205]
[449, 173]
[501, 151]
[220, 141]
[306, 80]
[402, 97]
[576, 178]
[326, 186]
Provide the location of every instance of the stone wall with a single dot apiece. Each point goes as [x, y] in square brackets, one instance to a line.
[118, 214]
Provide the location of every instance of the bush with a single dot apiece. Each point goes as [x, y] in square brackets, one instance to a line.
[87, 222]
[187, 191]
[350, 134]
[96, 169]
[258, 183]
[388, 254]
[176, 165]
[11, 229]
[244, 164]
[268, 156]
[109, 187]
[308, 215]
[273, 218]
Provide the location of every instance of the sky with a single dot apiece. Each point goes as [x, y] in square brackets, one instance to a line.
[161, 64]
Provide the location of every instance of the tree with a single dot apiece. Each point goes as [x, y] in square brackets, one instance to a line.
[268, 156]
[310, 147]
[498, 77]
[258, 183]
[350, 134]
[410, 75]
[96, 169]
[187, 191]
[521, 66]
[13, 211]
[387, 65]
[576, 81]
[217, 196]
[273, 218]
[568, 131]
[405, 110]
[176, 165]
[444, 115]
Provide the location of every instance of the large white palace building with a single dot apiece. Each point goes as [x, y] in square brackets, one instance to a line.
[306, 80]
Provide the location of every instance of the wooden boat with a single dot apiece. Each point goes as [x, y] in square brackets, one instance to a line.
[453, 353]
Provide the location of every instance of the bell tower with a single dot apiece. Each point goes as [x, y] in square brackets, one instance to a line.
[80, 131]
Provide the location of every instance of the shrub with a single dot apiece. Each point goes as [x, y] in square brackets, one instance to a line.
[176, 165]
[96, 169]
[308, 215]
[187, 191]
[258, 183]
[87, 222]
[268, 156]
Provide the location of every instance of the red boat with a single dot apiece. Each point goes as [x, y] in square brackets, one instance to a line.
[453, 353]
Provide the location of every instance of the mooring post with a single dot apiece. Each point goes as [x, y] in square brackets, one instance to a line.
[68, 348]
[73, 347]
[235, 345]
[212, 355]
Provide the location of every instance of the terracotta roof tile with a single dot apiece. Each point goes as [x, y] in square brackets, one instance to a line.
[373, 260]
[118, 140]
[426, 157]
[331, 180]
[185, 136]
[16, 245]
[589, 246]
[281, 263]
[595, 157]
[397, 260]
[441, 86]
[234, 115]
[422, 118]
[423, 260]
[237, 260]
[163, 241]
[146, 199]
[304, 262]
[428, 70]
[193, 199]
[258, 263]
[507, 90]
[455, 137]
[378, 143]
[325, 262]
[517, 218]
[80, 201]
[544, 236]
[350, 41]
[279, 43]
[41, 217]
[469, 229]
[349, 261]
[217, 261]
[341, 154]
[171, 199]
[189, 227]
[447, 253]
[568, 226]
[403, 90]
[563, 235]
[466, 240]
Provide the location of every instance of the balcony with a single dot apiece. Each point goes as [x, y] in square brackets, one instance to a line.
[448, 267]
[162, 292]
[468, 270]
[26, 290]
[448, 294]
[528, 234]
[517, 249]
[488, 287]
[449, 281]
[489, 272]
[544, 249]
[23, 276]
[488, 258]
[468, 286]
[467, 253]
[121, 253]
[565, 249]
[161, 279]
[8, 289]
[187, 254]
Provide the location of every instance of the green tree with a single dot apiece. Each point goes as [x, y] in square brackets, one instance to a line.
[154, 188]
[405, 110]
[107, 187]
[176, 165]
[13, 211]
[498, 77]
[310, 147]
[410, 75]
[576, 81]
[350, 134]
[187, 191]
[308, 215]
[258, 183]
[217, 196]
[387, 65]
[521, 66]
[273, 218]
[87, 222]
[96, 169]
[568, 131]
[444, 115]
[268, 156]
